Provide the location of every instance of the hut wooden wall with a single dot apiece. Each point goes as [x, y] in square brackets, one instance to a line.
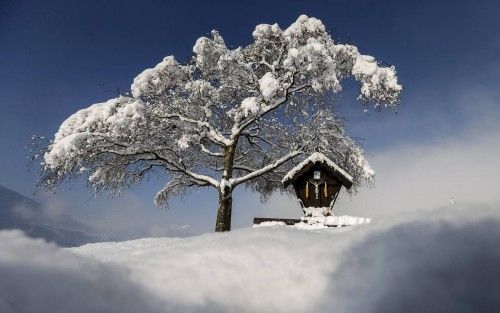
[333, 187]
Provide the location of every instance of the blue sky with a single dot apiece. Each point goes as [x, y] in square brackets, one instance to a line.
[60, 56]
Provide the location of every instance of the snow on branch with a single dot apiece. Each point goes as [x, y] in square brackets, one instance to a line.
[210, 132]
[265, 169]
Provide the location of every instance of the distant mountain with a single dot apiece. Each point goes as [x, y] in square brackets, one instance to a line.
[18, 211]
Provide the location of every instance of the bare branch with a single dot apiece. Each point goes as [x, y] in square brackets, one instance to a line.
[265, 169]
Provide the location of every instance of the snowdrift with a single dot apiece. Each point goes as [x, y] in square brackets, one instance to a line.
[445, 261]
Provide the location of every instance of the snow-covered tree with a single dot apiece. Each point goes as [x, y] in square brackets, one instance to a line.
[227, 117]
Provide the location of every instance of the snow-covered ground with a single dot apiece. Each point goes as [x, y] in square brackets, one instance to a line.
[442, 261]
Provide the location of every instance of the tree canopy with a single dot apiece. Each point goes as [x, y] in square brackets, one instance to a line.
[226, 117]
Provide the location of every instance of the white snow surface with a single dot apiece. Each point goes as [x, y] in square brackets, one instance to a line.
[249, 106]
[320, 222]
[368, 172]
[268, 85]
[345, 220]
[316, 157]
[183, 142]
[446, 260]
[322, 217]
[371, 76]
[156, 80]
[302, 25]
[317, 211]
[38, 277]
[115, 117]
[269, 224]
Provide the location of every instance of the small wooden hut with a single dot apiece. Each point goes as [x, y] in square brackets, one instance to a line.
[317, 181]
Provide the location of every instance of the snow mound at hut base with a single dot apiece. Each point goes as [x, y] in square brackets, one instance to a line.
[319, 222]
[322, 217]
[442, 261]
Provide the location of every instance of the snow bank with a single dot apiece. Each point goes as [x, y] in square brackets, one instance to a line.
[422, 266]
[319, 222]
[345, 220]
[321, 217]
[269, 224]
[36, 276]
[445, 261]
[318, 218]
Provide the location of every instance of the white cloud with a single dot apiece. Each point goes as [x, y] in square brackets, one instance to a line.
[429, 175]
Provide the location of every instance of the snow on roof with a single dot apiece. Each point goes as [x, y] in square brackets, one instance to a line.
[316, 157]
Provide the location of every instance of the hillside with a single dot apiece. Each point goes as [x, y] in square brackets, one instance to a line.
[441, 261]
[20, 212]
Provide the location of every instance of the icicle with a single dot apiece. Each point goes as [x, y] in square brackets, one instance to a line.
[307, 190]
[326, 191]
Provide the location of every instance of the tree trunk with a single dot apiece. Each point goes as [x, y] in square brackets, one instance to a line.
[223, 222]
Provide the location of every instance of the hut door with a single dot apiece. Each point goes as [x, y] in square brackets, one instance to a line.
[319, 194]
[324, 195]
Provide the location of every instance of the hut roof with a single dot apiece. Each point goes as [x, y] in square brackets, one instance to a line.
[313, 159]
